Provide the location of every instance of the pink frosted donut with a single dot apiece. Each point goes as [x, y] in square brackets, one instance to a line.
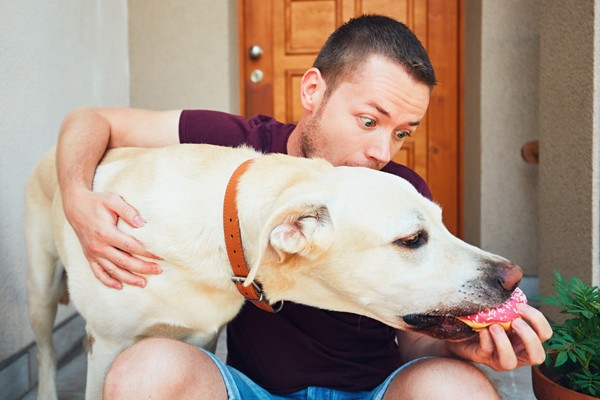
[503, 315]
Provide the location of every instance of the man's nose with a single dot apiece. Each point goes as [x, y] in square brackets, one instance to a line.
[380, 151]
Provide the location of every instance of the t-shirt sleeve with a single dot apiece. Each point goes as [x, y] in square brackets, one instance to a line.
[214, 127]
[260, 132]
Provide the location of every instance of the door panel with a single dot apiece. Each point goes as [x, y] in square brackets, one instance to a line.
[291, 32]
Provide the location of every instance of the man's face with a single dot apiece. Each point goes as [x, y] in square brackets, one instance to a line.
[367, 118]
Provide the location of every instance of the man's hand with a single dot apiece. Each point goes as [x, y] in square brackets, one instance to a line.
[503, 351]
[109, 251]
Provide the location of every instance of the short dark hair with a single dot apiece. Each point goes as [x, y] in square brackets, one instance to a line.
[355, 41]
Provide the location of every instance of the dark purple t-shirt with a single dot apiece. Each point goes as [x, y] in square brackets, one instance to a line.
[300, 346]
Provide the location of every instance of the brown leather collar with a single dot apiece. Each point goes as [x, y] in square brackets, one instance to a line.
[233, 243]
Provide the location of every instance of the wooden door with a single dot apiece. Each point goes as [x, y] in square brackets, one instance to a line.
[290, 34]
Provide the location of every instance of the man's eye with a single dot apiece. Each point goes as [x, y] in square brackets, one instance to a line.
[368, 122]
[402, 134]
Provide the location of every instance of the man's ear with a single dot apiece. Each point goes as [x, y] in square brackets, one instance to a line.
[303, 230]
[312, 88]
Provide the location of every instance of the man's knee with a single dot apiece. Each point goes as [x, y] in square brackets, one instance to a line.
[441, 378]
[163, 367]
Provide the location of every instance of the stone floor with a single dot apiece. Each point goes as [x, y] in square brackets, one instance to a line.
[514, 385]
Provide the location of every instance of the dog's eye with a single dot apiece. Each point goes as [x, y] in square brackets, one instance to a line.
[413, 241]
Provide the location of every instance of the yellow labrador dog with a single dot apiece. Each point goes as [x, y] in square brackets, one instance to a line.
[339, 238]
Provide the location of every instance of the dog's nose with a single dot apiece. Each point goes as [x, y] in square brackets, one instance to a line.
[508, 275]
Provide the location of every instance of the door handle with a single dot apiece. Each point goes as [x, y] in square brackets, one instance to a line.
[255, 52]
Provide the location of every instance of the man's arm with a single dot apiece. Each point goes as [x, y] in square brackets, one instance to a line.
[492, 346]
[84, 137]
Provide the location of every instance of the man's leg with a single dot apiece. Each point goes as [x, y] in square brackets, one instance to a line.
[160, 368]
[441, 378]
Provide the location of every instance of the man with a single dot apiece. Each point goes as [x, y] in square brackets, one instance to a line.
[367, 91]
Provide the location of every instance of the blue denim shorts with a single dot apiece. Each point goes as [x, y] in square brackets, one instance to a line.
[240, 387]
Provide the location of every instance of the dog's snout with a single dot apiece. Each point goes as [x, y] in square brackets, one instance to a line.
[508, 275]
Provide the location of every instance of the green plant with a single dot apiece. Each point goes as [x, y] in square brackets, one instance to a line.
[573, 352]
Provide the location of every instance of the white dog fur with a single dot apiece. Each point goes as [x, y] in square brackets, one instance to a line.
[339, 238]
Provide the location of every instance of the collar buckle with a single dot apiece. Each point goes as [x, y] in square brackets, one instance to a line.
[254, 286]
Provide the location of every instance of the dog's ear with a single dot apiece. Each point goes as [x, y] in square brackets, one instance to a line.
[304, 230]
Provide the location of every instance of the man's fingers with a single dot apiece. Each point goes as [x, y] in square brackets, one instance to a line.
[110, 251]
[537, 320]
[506, 357]
[124, 260]
[130, 245]
[486, 343]
[104, 277]
[121, 274]
[125, 211]
[124, 242]
[532, 351]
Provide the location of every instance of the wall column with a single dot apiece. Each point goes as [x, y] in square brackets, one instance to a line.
[568, 203]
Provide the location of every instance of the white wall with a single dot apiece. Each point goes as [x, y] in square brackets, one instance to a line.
[54, 56]
[183, 54]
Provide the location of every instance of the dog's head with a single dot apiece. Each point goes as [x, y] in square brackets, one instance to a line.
[367, 242]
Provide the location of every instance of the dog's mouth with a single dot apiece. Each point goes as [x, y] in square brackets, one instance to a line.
[444, 327]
